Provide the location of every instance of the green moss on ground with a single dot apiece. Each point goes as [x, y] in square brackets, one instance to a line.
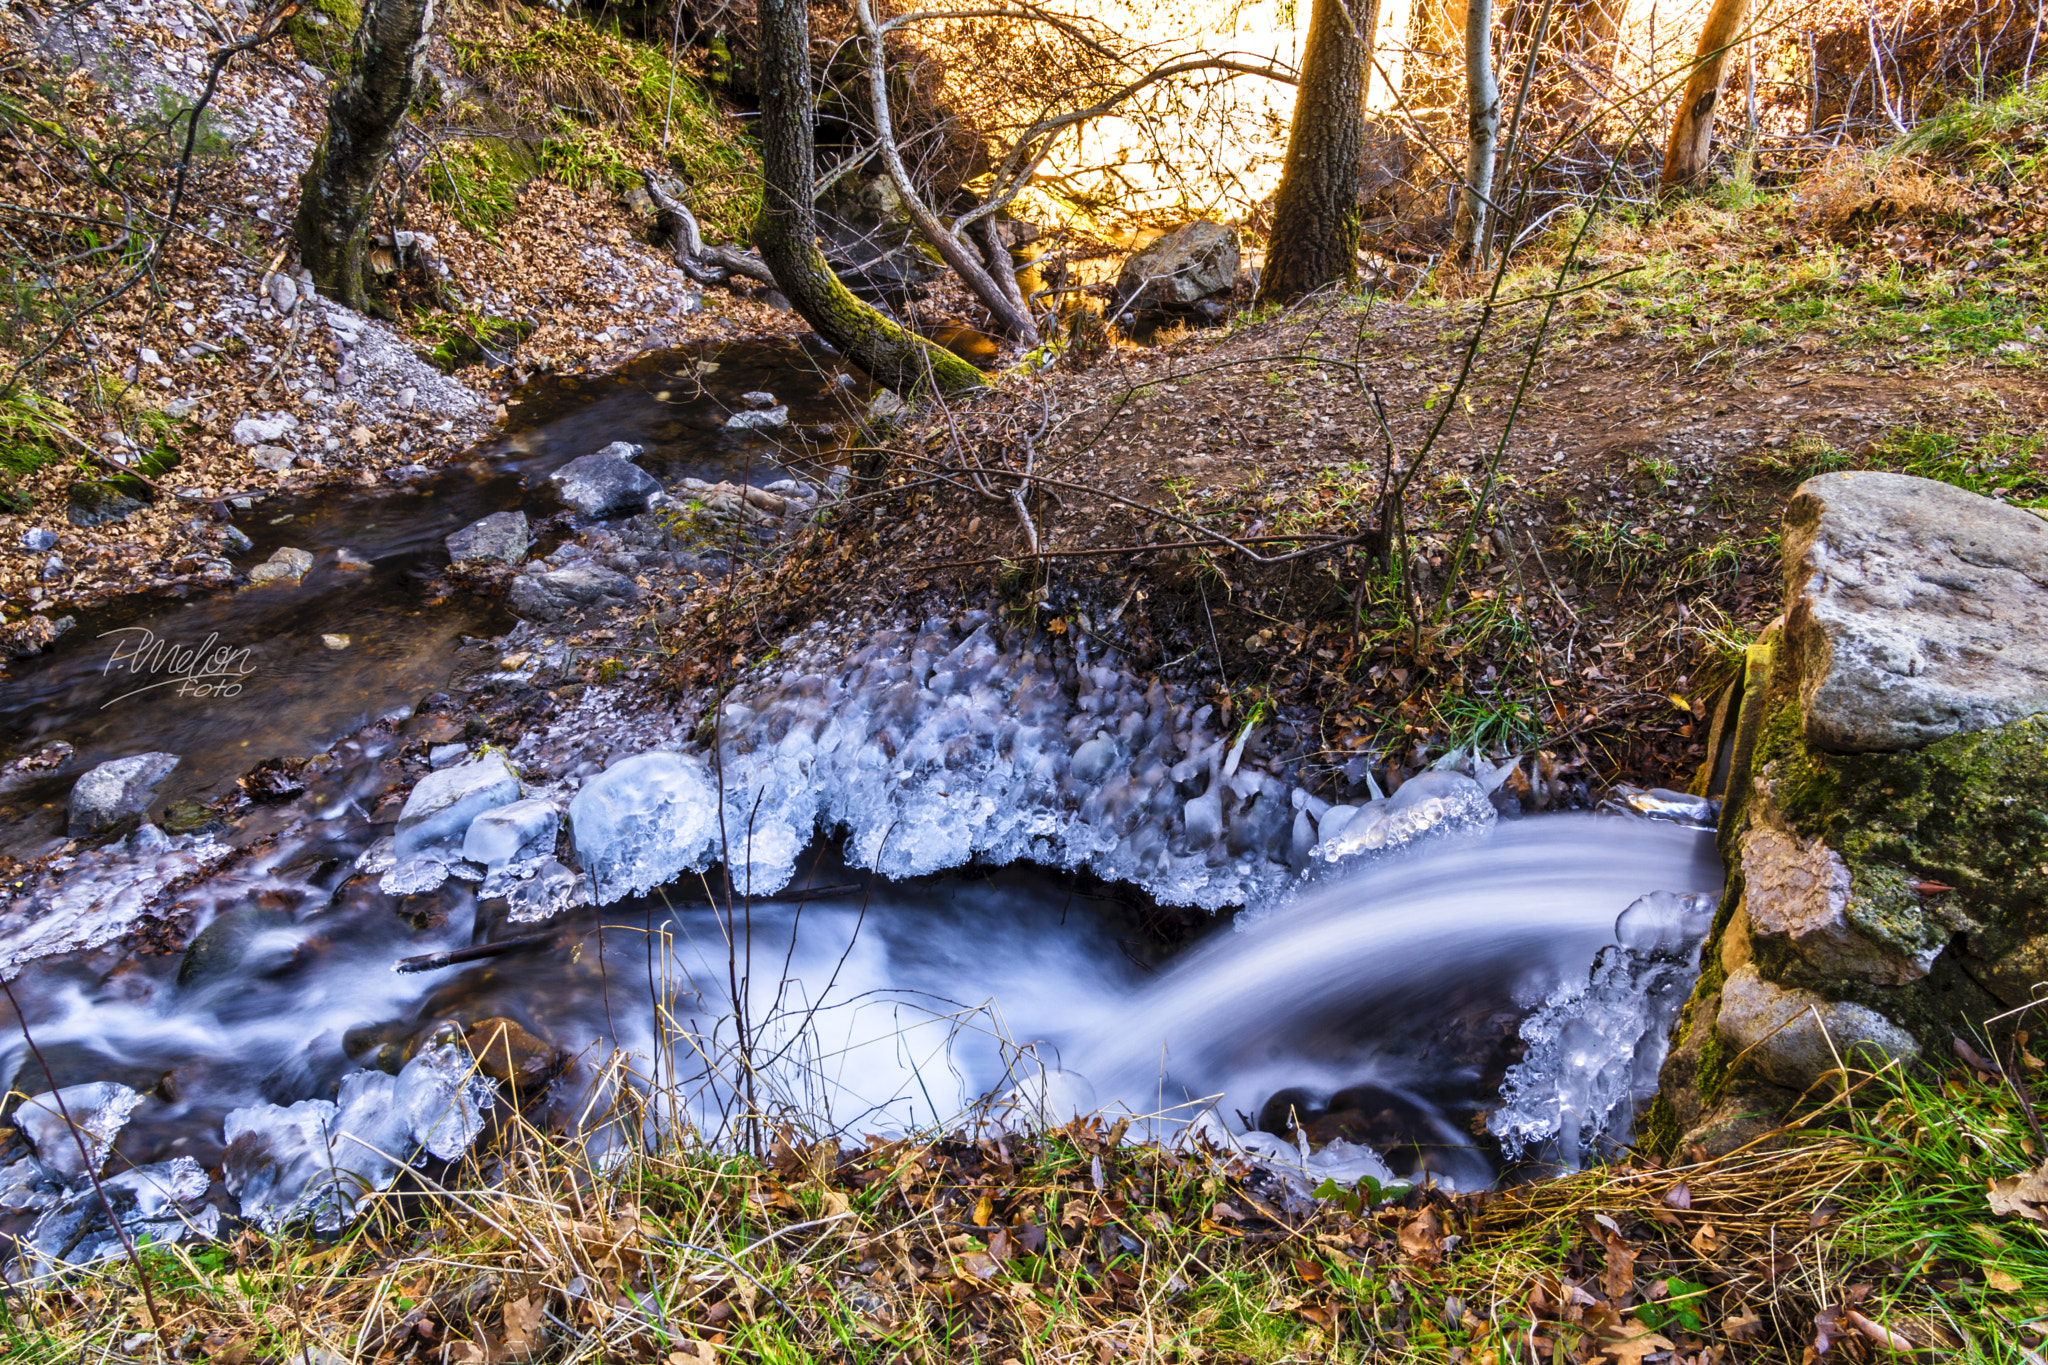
[600, 108]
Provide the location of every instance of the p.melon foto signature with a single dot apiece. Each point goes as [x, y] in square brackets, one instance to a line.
[209, 669]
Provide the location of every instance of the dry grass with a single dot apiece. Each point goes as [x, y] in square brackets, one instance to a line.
[1073, 1247]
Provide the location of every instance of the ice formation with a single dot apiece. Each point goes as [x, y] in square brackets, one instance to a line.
[313, 1161]
[968, 741]
[1595, 1046]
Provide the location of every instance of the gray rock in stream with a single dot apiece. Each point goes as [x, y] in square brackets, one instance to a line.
[545, 596]
[116, 792]
[1916, 610]
[604, 485]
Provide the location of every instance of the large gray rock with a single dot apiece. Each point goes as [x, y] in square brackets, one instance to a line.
[438, 813]
[115, 791]
[501, 536]
[1795, 1037]
[604, 485]
[1916, 610]
[1190, 263]
[543, 597]
[286, 566]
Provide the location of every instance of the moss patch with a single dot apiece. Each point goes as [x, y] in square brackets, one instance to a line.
[323, 32]
[601, 108]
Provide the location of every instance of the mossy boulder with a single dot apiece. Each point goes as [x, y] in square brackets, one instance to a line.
[1880, 900]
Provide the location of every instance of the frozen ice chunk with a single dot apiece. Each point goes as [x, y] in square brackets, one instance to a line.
[1427, 802]
[1594, 1048]
[1665, 924]
[520, 831]
[415, 876]
[155, 1204]
[444, 803]
[644, 821]
[58, 1123]
[313, 1161]
[547, 891]
[443, 1100]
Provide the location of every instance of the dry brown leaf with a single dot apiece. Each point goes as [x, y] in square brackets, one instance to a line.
[2004, 1281]
[522, 1327]
[1878, 1332]
[1743, 1325]
[694, 1353]
[2021, 1196]
[1637, 1340]
[1422, 1238]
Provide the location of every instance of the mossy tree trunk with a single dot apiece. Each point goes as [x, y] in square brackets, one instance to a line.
[1315, 214]
[390, 53]
[1692, 131]
[787, 233]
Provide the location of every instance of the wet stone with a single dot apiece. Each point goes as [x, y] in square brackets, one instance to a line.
[286, 565]
[501, 536]
[116, 792]
[603, 485]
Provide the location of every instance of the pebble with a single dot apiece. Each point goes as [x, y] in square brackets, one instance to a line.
[38, 539]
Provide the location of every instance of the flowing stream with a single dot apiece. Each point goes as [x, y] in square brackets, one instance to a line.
[1435, 1006]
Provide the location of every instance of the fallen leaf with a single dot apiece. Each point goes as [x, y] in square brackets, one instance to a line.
[2022, 1196]
[522, 1327]
[1742, 1326]
[1422, 1238]
[1878, 1332]
[1678, 1197]
[2004, 1281]
[1637, 1340]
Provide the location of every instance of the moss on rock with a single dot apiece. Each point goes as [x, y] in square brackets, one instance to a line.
[323, 31]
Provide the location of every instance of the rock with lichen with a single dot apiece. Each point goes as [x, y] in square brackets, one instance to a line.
[1884, 765]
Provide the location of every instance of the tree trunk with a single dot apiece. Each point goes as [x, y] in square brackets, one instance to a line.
[787, 232]
[362, 124]
[1482, 97]
[985, 283]
[1315, 214]
[1692, 131]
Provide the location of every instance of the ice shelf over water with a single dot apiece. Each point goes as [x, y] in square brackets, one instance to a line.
[966, 740]
[1594, 1047]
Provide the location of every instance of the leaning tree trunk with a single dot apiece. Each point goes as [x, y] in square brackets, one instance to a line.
[1482, 97]
[1692, 131]
[1315, 214]
[787, 232]
[362, 124]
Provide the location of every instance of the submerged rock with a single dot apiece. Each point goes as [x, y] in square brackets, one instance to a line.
[116, 792]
